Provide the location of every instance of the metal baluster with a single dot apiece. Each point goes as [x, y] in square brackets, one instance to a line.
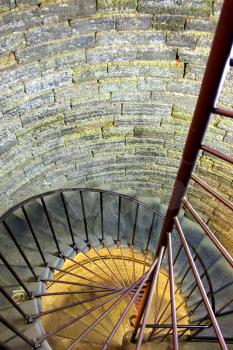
[20, 249]
[15, 275]
[9, 325]
[84, 217]
[15, 305]
[51, 226]
[68, 219]
[34, 235]
[102, 216]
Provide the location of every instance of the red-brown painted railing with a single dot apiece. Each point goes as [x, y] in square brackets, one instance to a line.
[218, 63]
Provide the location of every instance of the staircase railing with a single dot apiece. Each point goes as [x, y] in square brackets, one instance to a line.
[218, 63]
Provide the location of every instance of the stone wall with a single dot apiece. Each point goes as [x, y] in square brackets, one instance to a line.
[101, 94]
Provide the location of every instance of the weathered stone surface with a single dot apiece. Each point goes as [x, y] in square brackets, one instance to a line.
[181, 40]
[130, 96]
[23, 19]
[7, 61]
[198, 57]
[108, 97]
[90, 72]
[86, 25]
[200, 8]
[10, 77]
[49, 82]
[133, 23]
[130, 38]
[32, 103]
[76, 90]
[6, 5]
[11, 43]
[166, 22]
[185, 87]
[12, 96]
[155, 53]
[70, 9]
[63, 61]
[117, 84]
[95, 110]
[203, 25]
[44, 112]
[150, 84]
[145, 108]
[119, 5]
[146, 68]
[48, 33]
[100, 54]
[50, 49]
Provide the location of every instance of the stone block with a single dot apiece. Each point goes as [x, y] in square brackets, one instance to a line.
[167, 22]
[199, 24]
[194, 72]
[201, 8]
[130, 38]
[11, 43]
[10, 97]
[133, 23]
[48, 82]
[6, 5]
[8, 28]
[93, 110]
[146, 69]
[153, 133]
[44, 112]
[90, 72]
[69, 10]
[131, 96]
[162, 98]
[151, 84]
[25, 3]
[181, 40]
[137, 120]
[117, 131]
[89, 98]
[19, 20]
[204, 42]
[184, 86]
[156, 53]
[12, 76]
[100, 54]
[32, 103]
[117, 84]
[197, 57]
[145, 109]
[86, 25]
[7, 61]
[116, 6]
[76, 90]
[46, 33]
[35, 53]
[63, 61]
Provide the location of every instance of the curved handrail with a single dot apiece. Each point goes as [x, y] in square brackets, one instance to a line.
[73, 189]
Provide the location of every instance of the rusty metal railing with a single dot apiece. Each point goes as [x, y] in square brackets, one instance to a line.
[218, 63]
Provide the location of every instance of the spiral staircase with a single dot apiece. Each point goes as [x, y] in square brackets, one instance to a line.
[93, 269]
[76, 263]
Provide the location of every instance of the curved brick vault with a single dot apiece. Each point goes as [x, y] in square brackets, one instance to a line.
[101, 94]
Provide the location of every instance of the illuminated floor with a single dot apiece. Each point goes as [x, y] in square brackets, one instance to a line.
[104, 268]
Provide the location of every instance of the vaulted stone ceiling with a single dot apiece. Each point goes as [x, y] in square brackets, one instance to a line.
[101, 94]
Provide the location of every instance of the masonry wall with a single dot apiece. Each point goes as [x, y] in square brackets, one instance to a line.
[101, 94]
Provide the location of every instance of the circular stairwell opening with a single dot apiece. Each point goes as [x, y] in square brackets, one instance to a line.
[85, 294]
